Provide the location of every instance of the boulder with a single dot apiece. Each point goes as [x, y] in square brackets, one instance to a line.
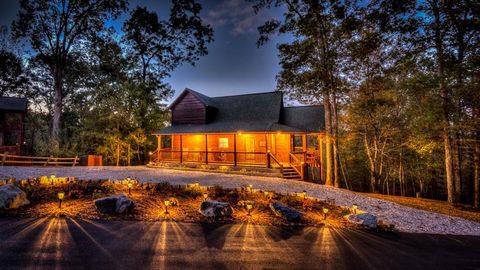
[12, 197]
[116, 204]
[364, 219]
[290, 214]
[215, 209]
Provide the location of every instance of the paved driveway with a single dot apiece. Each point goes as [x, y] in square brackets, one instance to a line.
[405, 218]
[57, 243]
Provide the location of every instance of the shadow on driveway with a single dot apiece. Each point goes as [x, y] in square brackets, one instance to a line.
[49, 243]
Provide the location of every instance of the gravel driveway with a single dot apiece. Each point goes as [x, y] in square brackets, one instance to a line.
[406, 219]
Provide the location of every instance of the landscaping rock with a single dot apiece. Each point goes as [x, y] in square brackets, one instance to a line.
[215, 209]
[290, 214]
[116, 204]
[364, 219]
[12, 197]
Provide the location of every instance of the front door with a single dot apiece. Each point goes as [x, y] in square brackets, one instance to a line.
[250, 148]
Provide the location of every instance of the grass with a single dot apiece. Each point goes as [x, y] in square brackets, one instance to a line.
[441, 207]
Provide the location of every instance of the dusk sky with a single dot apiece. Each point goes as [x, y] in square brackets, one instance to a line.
[234, 65]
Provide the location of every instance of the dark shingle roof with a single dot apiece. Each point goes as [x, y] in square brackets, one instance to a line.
[13, 104]
[259, 112]
[308, 118]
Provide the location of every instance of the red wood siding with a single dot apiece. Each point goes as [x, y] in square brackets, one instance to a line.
[189, 110]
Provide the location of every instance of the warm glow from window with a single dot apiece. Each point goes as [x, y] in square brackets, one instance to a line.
[222, 142]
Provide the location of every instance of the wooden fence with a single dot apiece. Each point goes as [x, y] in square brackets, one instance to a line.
[14, 160]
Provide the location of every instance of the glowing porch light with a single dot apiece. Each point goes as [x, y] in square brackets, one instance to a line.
[61, 196]
[354, 208]
[325, 212]
[167, 203]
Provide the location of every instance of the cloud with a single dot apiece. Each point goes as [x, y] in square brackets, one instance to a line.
[238, 15]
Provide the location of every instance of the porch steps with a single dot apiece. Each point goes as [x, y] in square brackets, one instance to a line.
[290, 173]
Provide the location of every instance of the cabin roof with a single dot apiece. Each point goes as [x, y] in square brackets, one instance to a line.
[258, 112]
[13, 104]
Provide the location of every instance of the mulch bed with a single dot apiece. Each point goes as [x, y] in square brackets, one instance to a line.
[150, 197]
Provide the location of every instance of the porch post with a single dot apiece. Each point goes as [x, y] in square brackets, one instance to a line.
[320, 150]
[234, 149]
[159, 147]
[266, 151]
[304, 146]
[181, 150]
[206, 149]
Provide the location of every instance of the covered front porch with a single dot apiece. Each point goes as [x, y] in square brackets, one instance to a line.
[286, 151]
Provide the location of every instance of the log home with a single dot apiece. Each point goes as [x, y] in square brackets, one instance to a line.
[252, 130]
[12, 127]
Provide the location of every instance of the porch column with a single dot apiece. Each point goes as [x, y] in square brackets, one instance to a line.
[181, 149]
[206, 149]
[234, 149]
[267, 151]
[320, 150]
[159, 147]
[304, 146]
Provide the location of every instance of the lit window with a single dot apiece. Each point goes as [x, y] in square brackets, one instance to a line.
[222, 142]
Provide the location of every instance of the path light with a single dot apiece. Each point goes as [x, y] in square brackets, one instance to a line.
[354, 208]
[130, 185]
[52, 178]
[167, 203]
[249, 206]
[250, 188]
[60, 195]
[205, 196]
[304, 194]
[325, 212]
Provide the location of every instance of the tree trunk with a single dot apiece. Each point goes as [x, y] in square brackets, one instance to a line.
[447, 143]
[57, 108]
[329, 181]
[336, 154]
[476, 161]
[457, 167]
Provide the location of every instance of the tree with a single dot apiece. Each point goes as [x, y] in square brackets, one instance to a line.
[311, 64]
[56, 30]
[155, 48]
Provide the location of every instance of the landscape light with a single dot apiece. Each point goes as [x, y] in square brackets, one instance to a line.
[167, 203]
[250, 188]
[304, 194]
[325, 212]
[205, 196]
[249, 208]
[60, 195]
[130, 185]
[52, 178]
[354, 207]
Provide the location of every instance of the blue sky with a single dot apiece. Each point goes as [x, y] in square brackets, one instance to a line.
[234, 65]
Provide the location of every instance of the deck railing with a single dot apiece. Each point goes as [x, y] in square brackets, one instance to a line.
[6, 159]
[214, 157]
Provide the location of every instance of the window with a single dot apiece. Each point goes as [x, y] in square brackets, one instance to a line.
[222, 142]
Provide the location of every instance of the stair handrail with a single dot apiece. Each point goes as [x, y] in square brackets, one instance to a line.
[276, 161]
[294, 166]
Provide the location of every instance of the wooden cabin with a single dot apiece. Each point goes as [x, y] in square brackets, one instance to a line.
[12, 124]
[252, 130]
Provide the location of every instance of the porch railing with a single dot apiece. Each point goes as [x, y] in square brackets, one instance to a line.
[214, 157]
